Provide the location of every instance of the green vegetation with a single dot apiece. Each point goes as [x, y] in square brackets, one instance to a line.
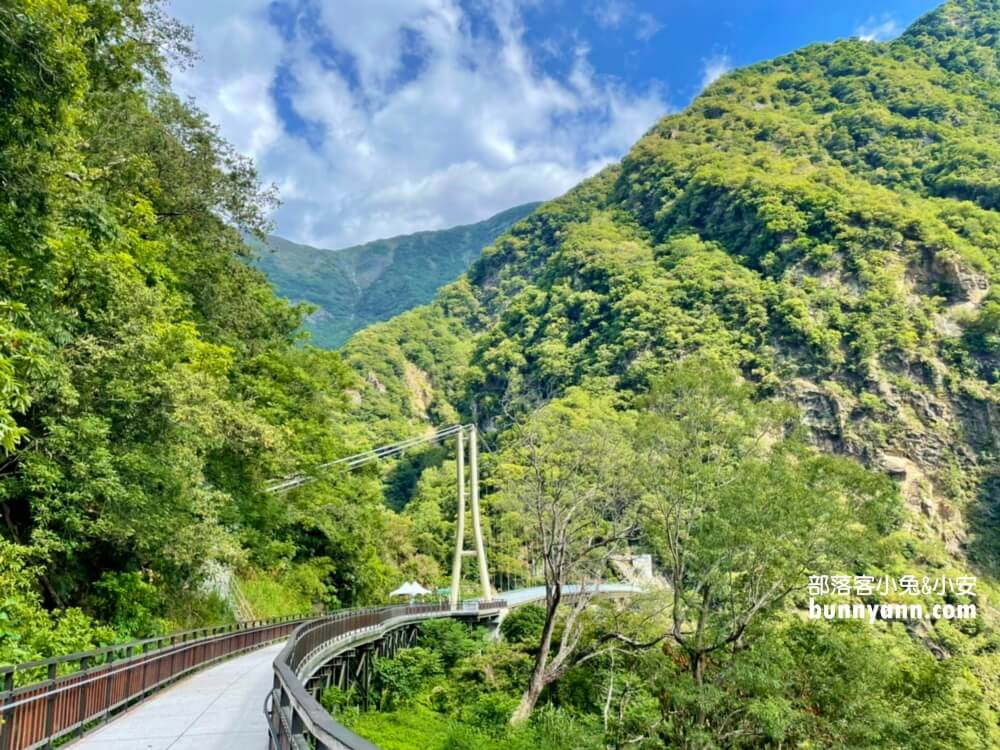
[738, 510]
[801, 685]
[357, 286]
[150, 380]
[29, 630]
[825, 224]
[455, 691]
[721, 347]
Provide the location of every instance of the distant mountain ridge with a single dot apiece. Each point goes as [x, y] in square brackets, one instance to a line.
[364, 284]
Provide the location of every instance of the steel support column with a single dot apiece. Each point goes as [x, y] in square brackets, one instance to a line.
[477, 527]
[456, 565]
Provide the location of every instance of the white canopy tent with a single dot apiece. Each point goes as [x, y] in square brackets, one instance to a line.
[410, 588]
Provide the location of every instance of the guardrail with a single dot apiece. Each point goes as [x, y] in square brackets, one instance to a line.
[42, 701]
[296, 720]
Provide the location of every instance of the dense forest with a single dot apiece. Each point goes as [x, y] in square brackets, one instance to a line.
[151, 380]
[353, 287]
[764, 346]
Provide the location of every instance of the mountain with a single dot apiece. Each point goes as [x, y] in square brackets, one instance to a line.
[829, 223]
[367, 283]
[827, 220]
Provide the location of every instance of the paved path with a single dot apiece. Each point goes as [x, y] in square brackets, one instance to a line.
[537, 593]
[219, 708]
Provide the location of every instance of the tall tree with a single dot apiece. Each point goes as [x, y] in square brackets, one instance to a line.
[149, 378]
[567, 469]
[739, 511]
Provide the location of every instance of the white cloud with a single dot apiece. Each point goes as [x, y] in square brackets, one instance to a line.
[647, 26]
[878, 29]
[476, 127]
[715, 67]
[615, 14]
[610, 14]
[239, 54]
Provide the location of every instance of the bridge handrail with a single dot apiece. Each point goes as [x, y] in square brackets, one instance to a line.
[80, 689]
[146, 645]
[295, 718]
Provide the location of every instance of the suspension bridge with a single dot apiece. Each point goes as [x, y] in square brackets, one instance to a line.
[241, 685]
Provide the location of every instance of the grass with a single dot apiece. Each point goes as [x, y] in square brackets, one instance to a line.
[272, 596]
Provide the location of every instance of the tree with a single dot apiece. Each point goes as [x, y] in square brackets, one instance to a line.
[738, 510]
[567, 468]
[150, 380]
[400, 678]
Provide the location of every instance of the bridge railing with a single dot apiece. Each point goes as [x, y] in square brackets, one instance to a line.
[296, 720]
[45, 700]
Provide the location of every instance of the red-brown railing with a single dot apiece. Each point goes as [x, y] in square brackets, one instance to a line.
[44, 700]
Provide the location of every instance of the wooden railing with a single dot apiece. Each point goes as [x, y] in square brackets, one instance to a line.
[43, 701]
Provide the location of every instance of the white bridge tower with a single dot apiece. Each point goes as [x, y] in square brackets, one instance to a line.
[477, 528]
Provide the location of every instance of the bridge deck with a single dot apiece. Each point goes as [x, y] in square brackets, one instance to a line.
[537, 593]
[220, 708]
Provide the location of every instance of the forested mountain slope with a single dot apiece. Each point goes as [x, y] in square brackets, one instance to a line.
[357, 286]
[827, 222]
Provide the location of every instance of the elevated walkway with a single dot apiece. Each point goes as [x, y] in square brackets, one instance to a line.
[216, 709]
[339, 650]
[168, 693]
[54, 699]
[536, 594]
[206, 689]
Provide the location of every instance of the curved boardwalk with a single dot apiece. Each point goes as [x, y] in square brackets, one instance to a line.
[219, 708]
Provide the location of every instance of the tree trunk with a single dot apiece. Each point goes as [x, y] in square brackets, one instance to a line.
[698, 668]
[537, 682]
[528, 700]
[611, 691]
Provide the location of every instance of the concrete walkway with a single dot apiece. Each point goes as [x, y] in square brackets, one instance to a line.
[219, 708]
[518, 597]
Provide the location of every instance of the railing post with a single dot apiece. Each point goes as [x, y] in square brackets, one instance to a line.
[173, 656]
[129, 671]
[8, 687]
[296, 727]
[109, 662]
[81, 714]
[50, 706]
[145, 668]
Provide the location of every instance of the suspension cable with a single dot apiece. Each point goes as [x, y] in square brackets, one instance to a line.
[363, 458]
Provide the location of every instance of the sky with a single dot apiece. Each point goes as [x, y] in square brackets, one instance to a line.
[383, 117]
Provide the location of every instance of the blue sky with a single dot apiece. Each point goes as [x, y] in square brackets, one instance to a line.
[383, 117]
